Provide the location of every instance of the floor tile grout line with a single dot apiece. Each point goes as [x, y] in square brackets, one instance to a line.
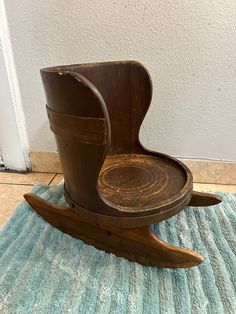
[52, 179]
[214, 183]
[26, 184]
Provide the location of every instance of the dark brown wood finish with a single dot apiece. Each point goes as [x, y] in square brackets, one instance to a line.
[115, 187]
[136, 244]
[82, 129]
[204, 199]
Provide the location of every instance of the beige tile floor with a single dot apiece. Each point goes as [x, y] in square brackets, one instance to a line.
[13, 186]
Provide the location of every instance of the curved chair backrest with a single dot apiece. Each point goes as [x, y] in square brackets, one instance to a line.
[127, 90]
[95, 110]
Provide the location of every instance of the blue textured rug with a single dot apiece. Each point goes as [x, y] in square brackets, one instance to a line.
[45, 271]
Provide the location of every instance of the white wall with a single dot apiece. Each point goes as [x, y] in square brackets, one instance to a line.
[13, 138]
[188, 46]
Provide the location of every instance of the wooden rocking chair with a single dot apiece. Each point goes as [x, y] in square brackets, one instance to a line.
[115, 187]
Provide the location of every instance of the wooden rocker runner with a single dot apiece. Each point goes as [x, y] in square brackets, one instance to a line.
[114, 186]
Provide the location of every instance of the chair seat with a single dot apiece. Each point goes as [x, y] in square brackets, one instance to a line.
[143, 183]
[96, 111]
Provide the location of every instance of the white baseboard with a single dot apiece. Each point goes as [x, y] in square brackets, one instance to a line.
[204, 171]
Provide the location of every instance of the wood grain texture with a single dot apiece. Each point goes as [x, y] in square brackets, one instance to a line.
[204, 199]
[203, 171]
[137, 182]
[118, 93]
[136, 244]
[131, 220]
[83, 129]
[115, 187]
